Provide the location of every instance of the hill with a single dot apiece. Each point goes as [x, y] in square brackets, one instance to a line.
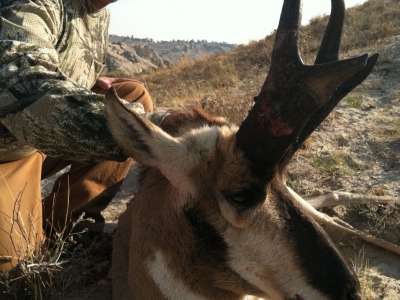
[124, 59]
[133, 55]
[175, 50]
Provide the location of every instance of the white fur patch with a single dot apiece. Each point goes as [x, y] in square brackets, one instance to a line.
[171, 287]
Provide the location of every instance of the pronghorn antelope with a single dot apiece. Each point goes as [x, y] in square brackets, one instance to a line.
[213, 218]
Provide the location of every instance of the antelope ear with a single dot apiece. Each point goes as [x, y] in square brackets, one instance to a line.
[138, 137]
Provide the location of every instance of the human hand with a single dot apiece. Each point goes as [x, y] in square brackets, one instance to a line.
[105, 83]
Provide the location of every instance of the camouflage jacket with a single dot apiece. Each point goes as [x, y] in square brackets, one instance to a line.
[51, 53]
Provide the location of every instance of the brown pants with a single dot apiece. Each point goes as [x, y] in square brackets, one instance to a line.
[85, 188]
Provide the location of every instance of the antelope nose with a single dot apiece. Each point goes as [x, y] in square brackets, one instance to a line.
[353, 296]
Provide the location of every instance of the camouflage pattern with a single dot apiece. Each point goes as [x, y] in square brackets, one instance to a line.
[51, 53]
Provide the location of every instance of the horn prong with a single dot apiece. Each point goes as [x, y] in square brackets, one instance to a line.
[293, 92]
[329, 49]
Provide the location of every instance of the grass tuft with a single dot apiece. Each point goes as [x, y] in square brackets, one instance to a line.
[361, 267]
[354, 100]
[56, 269]
[336, 164]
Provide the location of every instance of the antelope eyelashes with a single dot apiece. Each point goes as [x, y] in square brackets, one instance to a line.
[242, 199]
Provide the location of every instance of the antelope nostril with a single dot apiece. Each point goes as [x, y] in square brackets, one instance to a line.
[353, 296]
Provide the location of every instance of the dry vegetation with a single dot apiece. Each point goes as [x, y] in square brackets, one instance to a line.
[61, 269]
[336, 156]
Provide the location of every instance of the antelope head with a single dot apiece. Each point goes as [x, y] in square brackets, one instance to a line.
[213, 218]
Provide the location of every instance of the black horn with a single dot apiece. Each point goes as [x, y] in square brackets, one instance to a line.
[329, 49]
[329, 52]
[292, 93]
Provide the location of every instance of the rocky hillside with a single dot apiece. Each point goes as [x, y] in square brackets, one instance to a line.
[133, 59]
[134, 56]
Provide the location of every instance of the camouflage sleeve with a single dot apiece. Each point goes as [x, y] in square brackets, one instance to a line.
[40, 106]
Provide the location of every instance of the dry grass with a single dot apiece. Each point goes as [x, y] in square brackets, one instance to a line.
[365, 25]
[336, 164]
[388, 126]
[383, 220]
[361, 267]
[217, 83]
[56, 269]
[354, 100]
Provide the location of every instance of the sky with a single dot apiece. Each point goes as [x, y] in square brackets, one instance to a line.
[231, 21]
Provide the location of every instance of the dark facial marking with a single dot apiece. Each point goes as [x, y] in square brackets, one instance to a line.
[209, 243]
[322, 263]
[211, 252]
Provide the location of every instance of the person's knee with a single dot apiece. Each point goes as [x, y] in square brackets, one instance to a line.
[133, 91]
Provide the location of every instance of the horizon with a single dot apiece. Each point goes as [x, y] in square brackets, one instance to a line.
[205, 23]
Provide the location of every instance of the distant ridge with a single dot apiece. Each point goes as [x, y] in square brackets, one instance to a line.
[133, 55]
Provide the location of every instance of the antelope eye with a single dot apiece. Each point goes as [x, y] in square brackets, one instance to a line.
[244, 198]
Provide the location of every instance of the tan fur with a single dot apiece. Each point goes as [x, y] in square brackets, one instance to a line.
[157, 252]
[141, 214]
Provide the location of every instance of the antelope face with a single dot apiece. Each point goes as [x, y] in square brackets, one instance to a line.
[274, 245]
[233, 228]
[267, 245]
[246, 235]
